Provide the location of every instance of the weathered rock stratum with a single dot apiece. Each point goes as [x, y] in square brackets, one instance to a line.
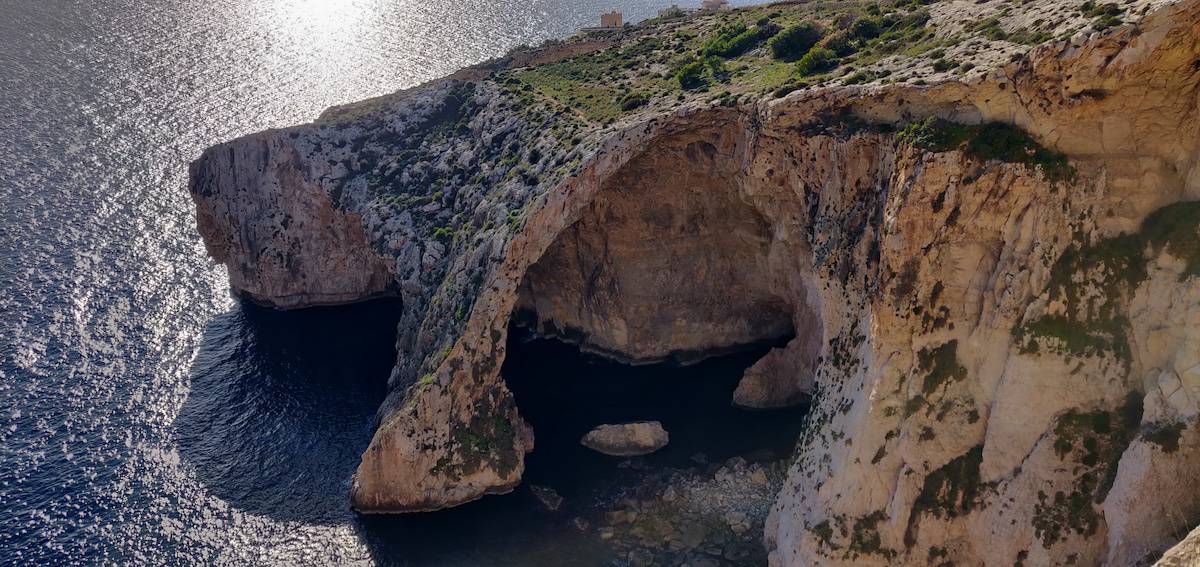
[972, 225]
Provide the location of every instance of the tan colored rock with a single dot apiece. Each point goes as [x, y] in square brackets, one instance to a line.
[666, 261]
[954, 410]
[780, 379]
[627, 439]
[1184, 554]
[269, 219]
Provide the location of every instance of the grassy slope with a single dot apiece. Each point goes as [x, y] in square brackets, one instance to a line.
[881, 42]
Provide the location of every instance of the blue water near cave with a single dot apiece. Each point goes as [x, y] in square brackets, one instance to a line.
[145, 417]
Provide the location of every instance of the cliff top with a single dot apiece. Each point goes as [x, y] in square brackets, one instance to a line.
[444, 173]
[598, 77]
[962, 256]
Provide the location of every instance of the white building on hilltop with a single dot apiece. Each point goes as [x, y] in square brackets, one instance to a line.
[714, 5]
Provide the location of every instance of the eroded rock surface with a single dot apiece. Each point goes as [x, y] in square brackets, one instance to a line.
[996, 310]
[627, 439]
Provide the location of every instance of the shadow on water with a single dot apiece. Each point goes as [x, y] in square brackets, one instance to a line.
[692, 402]
[282, 404]
[563, 394]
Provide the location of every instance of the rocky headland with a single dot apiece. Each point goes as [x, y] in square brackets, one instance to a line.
[976, 222]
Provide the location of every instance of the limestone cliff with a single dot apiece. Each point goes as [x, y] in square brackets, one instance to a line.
[988, 273]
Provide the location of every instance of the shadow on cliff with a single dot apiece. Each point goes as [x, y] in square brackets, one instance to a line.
[282, 405]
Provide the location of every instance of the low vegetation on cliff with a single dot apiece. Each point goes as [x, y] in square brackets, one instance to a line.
[993, 141]
[1090, 444]
[756, 51]
[947, 492]
[1092, 282]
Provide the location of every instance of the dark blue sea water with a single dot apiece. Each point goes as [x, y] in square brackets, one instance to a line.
[145, 417]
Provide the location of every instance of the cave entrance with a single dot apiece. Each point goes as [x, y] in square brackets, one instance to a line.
[670, 287]
[563, 393]
[666, 262]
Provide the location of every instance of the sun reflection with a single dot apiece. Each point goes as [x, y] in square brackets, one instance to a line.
[323, 21]
[320, 9]
[328, 38]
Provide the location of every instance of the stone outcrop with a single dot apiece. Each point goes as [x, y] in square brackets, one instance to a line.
[1184, 554]
[277, 231]
[781, 378]
[627, 439]
[988, 284]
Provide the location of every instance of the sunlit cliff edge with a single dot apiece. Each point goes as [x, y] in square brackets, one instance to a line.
[978, 220]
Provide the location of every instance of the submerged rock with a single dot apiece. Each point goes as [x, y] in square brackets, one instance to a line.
[549, 498]
[627, 439]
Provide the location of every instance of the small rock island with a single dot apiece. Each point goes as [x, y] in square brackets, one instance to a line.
[627, 439]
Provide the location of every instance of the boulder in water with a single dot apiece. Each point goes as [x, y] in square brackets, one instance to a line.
[627, 439]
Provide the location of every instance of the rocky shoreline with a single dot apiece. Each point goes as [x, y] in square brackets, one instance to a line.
[708, 516]
[987, 273]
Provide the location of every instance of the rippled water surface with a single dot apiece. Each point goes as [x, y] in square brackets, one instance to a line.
[144, 416]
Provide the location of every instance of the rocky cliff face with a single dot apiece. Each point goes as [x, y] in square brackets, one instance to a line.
[989, 281]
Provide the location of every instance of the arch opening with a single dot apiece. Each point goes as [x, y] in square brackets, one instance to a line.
[667, 262]
[682, 254]
[675, 296]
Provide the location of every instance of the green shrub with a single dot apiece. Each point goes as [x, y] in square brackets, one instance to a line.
[1008, 143]
[998, 141]
[911, 20]
[858, 78]
[787, 89]
[865, 28]
[839, 43]
[1024, 36]
[944, 65]
[726, 99]
[795, 41]
[816, 61]
[723, 44]
[632, 101]
[1107, 9]
[1105, 22]
[934, 135]
[735, 39]
[989, 27]
[691, 75]
[716, 67]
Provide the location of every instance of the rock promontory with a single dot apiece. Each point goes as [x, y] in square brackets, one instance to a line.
[971, 225]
